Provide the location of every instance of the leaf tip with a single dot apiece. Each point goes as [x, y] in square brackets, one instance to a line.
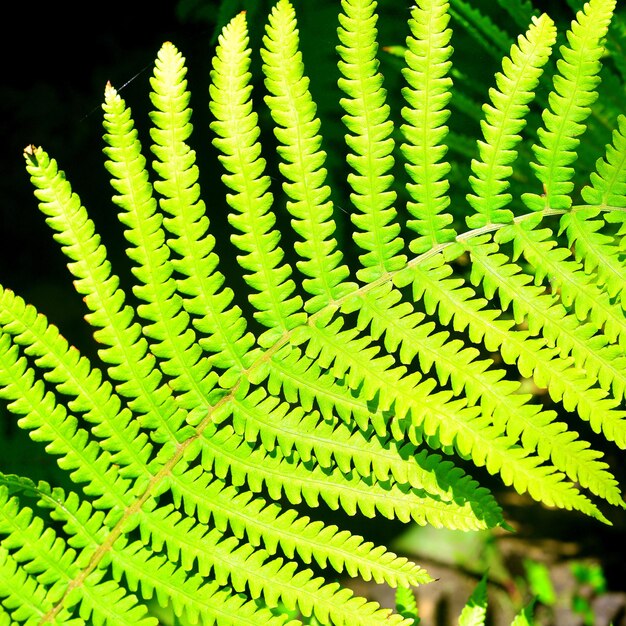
[30, 153]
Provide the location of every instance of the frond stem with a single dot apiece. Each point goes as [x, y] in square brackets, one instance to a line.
[181, 448]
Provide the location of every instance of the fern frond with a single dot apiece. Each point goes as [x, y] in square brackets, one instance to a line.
[220, 324]
[293, 111]
[127, 354]
[500, 399]
[451, 360]
[245, 566]
[544, 314]
[300, 482]
[45, 555]
[162, 306]
[351, 453]
[427, 94]
[595, 250]
[193, 597]
[198, 447]
[598, 252]
[23, 598]
[532, 357]
[573, 94]
[475, 611]
[175, 163]
[74, 376]
[362, 452]
[608, 182]
[49, 422]
[504, 119]
[237, 139]
[447, 422]
[156, 575]
[274, 526]
[370, 141]
[576, 290]
[406, 603]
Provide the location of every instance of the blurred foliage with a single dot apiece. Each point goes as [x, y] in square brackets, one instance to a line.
[538, 575]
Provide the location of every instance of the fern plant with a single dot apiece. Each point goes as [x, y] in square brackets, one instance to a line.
[474, 612]
[202, 441]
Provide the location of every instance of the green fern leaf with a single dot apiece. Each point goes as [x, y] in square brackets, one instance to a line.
[237, 138]
[427, 60]
[88, 395]
[503, 121]
[608, 183]
[295, 534]
[474, 612]
[598, 252]
[293, 111]
[45, 556]
[406, 603]
[207, 445]
[573, 93]
[370, 141]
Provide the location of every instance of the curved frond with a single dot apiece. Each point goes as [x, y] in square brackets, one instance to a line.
[297, 127]
[210, 443]
[370, 141]
[126, 354]
[237, 139]
[608, 182]
[547, 316]
[427, 94]
[573, 94]
[502, 400]
[504, 119]
[74, 377]
[275, 526]
[247, 567]
[50, 423]
[183, 362]
[39, 552]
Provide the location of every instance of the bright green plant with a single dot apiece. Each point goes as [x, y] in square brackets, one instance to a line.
[588, 575]
[203, 441]
[589, 583]
[539, 581]
[474, 612]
